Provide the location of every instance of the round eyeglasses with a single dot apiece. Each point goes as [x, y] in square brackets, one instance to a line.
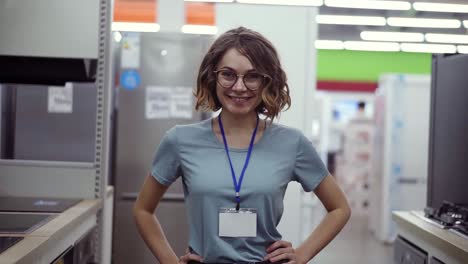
[252, 80]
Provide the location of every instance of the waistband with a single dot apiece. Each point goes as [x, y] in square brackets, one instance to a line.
[261, 262]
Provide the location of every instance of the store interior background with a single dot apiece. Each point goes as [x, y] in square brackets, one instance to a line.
[328, 77]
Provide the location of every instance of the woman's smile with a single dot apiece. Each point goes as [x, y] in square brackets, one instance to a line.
[240, 99]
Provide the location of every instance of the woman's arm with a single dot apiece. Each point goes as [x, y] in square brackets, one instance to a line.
[334, 200]
[148, 225]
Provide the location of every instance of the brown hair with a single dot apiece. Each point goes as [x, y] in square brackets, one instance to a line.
[264, 58]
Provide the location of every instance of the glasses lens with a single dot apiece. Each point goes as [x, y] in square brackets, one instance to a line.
[227, 78]
[253, 80]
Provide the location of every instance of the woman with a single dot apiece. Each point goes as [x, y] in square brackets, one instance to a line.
[236, 167]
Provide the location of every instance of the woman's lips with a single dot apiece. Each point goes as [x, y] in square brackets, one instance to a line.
[239, 99]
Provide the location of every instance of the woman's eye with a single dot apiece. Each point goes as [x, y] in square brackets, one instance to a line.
[228, 74]
[252, 77]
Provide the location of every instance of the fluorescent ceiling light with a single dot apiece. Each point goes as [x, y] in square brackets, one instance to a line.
[135, 27]
[371, 46]
[465, 23]
[350, 20]
[428, 48]
[392, 36]
[367, 4]
[199, 29]
[462, 49]
[440, 7]
[329, 44]
[447, 38]
[423, 22]
[284, 2]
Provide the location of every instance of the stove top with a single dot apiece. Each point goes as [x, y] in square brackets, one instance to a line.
[7, 242]
[22, 223]
[450, 216]
[36, 204]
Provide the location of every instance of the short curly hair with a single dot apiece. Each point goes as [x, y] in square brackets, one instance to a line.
[263, 56]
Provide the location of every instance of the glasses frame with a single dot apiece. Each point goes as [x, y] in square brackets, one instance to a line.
[265, 76]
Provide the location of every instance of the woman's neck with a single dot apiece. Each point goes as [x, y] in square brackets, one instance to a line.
[238, 123]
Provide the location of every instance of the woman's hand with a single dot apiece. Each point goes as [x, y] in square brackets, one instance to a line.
[189, 257]
[282, 250]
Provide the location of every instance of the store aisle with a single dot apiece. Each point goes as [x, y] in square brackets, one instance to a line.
[355, 245]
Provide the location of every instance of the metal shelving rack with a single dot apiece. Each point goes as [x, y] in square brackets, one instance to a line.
[103, 116]
[86, 180]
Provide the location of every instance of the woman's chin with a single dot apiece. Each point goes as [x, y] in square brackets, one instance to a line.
[237, 110]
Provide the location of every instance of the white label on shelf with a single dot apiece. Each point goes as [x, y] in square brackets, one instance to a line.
[60, 99]
[130, 50]
[181, 102]
[158, 100]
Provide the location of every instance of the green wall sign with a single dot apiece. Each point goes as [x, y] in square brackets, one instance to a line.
[367, 66]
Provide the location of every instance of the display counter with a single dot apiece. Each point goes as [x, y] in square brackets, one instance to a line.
[56, 237]
[422, 241]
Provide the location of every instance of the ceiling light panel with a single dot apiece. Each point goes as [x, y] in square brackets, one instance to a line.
[135, 27]
[371, 46]
[284, 2]
[423, 22]
[329, 44]
[447, 38]
[199, 29]
[428, 48]
[465, 23]
[350, 20]
[440, 7]
[462, 49]
[392, 36]
[369, 4]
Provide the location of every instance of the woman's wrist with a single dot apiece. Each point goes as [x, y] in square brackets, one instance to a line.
[301, 256]
[168, 258]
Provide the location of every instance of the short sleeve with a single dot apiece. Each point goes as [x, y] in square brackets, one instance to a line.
[309, 169]
[166, 162]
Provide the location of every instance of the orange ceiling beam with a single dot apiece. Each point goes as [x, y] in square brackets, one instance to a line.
[135, 11]
[200, 13]
[146, 11]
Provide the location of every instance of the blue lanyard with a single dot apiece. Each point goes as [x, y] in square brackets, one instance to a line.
[237, 186]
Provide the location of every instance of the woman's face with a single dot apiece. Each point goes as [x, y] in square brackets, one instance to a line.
[237, 99]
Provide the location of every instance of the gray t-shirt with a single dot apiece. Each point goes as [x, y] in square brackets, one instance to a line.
[193, 152]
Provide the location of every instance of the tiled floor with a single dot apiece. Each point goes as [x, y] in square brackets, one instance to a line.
[355, 245]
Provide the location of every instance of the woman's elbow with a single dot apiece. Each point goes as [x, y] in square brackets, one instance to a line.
[138, 210]
[347, 212]
[346, 209]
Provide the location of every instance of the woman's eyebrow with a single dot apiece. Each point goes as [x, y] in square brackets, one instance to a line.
[229, 68]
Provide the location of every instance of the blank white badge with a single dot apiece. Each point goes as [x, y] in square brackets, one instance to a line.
[242, 223]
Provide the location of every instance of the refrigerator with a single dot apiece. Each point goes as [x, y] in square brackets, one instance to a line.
[43, 123]
[448, 151]
[156, 77]
[399, 158]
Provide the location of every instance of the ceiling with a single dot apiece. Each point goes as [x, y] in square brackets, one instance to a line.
[339, 34]
[352, 32]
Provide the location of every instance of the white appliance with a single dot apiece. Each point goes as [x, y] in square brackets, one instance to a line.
[400, 156]
[355, 166]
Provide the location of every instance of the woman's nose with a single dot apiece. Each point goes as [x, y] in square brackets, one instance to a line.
[239, 85]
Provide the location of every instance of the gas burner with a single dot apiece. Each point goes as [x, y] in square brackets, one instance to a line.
[450, 216]
[462, 228]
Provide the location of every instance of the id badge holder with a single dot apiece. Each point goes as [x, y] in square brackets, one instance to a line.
[242, 223]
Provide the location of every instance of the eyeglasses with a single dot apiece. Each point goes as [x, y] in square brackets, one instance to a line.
[252, 80]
